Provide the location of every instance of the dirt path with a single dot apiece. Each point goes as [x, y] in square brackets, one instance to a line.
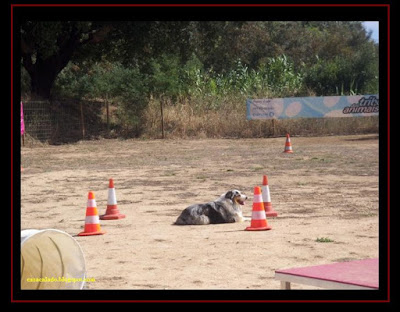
[327, 189]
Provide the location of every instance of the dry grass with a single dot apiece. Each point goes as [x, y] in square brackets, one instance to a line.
[189, 119]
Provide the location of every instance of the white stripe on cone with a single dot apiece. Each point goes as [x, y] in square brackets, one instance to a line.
[92, 220]
[112, 199]
[91, 203]
[258, 215]
[257, 198]
[265, 194]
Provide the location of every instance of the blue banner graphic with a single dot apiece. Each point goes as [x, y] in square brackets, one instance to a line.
[313, 107]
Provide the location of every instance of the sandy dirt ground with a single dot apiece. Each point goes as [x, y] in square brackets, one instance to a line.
[326, 190]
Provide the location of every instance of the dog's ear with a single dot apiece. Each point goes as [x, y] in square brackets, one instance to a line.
[229, 195]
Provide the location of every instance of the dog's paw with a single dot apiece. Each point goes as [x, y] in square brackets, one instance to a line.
[244, 219]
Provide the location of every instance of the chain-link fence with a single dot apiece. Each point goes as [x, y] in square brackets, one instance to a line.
[57, 122]
[61, 122]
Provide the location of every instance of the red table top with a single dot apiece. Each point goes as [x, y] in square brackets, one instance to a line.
[360, 272]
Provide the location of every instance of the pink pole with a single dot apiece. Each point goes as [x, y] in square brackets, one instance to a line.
[22, 120]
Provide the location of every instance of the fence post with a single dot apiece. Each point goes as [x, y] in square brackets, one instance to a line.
[82, 122]
[108, 113]
[162, 117]
[274, 127]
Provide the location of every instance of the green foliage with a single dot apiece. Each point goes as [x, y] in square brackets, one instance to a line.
[164, 79]
[112, 82]
[206, 64]
[341, 76]
[345, 62]
[281, 76]
[128, 89]
[276, 76]
[324, 240]
[74, 83]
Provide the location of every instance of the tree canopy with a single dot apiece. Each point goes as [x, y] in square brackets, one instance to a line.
[330, 57]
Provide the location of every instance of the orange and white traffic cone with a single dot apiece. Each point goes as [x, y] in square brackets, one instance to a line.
[92, 222]
[112, 212]
[258, 217]
[288, 145]
[269, 211]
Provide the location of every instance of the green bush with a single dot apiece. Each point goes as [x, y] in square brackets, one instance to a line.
[199, 91]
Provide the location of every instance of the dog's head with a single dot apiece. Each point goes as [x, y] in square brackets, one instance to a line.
[236, 197]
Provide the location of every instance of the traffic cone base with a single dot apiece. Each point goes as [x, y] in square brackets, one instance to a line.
[91, 229]
[113, 217]
[269, 211]
[258, 222]
[96, 231]
[258, 229]
[112, 213]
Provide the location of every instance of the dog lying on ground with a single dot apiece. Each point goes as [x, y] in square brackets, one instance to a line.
[225, 209]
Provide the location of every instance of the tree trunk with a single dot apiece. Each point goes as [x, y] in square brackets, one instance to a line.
[42, 80]
[44, 71]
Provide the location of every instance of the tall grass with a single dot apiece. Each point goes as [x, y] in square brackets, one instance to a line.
[210, 105]
[203, 103]
[185, 119]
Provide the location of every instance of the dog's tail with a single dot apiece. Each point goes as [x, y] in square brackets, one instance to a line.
[184, 219]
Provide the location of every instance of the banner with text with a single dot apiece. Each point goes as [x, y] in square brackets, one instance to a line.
[313, 107]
